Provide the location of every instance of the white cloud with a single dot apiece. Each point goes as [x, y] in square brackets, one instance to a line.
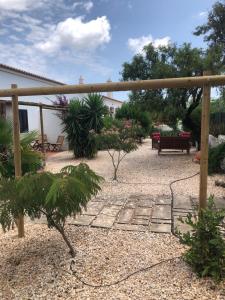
[19, 5]
[136, 45]
[88, 6]
[77, 35]
[202, 14]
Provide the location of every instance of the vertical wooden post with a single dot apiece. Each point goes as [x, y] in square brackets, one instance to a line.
[17, 152]
[205, 119]
[42, 129]
[42, 133]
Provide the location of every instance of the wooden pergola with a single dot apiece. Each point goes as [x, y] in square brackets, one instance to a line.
[206, 82]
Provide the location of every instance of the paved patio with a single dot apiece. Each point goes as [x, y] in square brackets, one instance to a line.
[139, 213]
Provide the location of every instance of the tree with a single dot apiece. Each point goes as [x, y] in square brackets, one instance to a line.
[118, 141]
[56, 196]
[83, 119]
[214, 29]
[30, 160]
[170, 105]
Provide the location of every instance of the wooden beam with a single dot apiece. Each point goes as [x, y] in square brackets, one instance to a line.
[204, 145]
[17, 152]
[198, 81]
[42, 130]
[44, 106]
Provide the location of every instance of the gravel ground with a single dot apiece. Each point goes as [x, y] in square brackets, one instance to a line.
[38, 267]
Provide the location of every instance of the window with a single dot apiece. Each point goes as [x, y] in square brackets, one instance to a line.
[23, 120]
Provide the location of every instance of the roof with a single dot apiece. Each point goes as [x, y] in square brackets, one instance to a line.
[112, 99]
[35, 76]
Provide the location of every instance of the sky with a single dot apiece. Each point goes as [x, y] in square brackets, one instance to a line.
[64, 39]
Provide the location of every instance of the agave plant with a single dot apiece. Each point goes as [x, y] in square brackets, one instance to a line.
[30, 160]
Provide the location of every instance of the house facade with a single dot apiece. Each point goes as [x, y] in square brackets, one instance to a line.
[30, 116]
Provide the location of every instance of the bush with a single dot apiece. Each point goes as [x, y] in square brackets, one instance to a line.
[206, 254]
[133, 112]
[84, 118]
[31, 160]
[56, 196]
[216, 155]
[118, 141]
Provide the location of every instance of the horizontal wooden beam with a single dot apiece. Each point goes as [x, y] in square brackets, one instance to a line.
[183, 82]
[44, 106]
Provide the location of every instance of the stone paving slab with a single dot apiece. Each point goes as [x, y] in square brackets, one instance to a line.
[139, 221]
[129, 227]
[93, 208]
[143, 211]
[103, 221]
[181, 201]
[125, 216]
[163, 199]
[111, 210]
[83, 220]
[162, 212]
[161, 228]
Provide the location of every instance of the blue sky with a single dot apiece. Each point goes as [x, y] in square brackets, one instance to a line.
[64, 39]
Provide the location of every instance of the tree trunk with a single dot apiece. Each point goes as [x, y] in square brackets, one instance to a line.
[62, 232]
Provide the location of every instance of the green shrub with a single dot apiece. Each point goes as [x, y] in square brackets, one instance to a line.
[118, 141]
[56, 196]
[84, 118]
[206, 253]
[216, 155]
[31, 160]
[133, 112]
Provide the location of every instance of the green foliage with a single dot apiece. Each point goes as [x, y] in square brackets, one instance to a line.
[84, 118]
[30, 160]
[216, 155]
[133, 112]
[118, 141]
[170, 105]
[206, 253]
[57, 196]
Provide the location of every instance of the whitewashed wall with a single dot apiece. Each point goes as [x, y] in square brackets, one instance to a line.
[52, 124]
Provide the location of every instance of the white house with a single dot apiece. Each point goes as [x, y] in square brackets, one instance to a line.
[29, 116]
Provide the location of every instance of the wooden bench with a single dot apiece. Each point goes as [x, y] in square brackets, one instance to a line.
[174, 143]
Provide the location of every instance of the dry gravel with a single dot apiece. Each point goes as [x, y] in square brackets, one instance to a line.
[37, 267]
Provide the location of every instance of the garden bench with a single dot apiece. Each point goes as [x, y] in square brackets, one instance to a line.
[174, 143]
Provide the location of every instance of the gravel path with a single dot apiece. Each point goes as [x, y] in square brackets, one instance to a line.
[38, 267]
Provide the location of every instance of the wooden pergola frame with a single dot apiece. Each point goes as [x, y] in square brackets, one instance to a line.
[206, 82]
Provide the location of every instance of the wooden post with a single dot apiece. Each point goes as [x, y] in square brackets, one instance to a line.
[17, 153]
[205, 119]
[42, 130]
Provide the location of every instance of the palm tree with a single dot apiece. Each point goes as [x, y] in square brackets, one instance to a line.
[84, 118]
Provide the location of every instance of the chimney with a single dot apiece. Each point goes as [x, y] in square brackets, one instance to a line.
[81, 80]
[109, 94]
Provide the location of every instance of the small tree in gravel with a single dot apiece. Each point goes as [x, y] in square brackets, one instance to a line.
[206, 253]
[118, 142]
[56, 196]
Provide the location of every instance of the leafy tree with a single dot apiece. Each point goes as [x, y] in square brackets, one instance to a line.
[170, 105]
[131, 111]
[214, 29]
[206, 252]
[61, 100]
[56, 196]
[30, 159]
[84, 118]
[118, 141]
